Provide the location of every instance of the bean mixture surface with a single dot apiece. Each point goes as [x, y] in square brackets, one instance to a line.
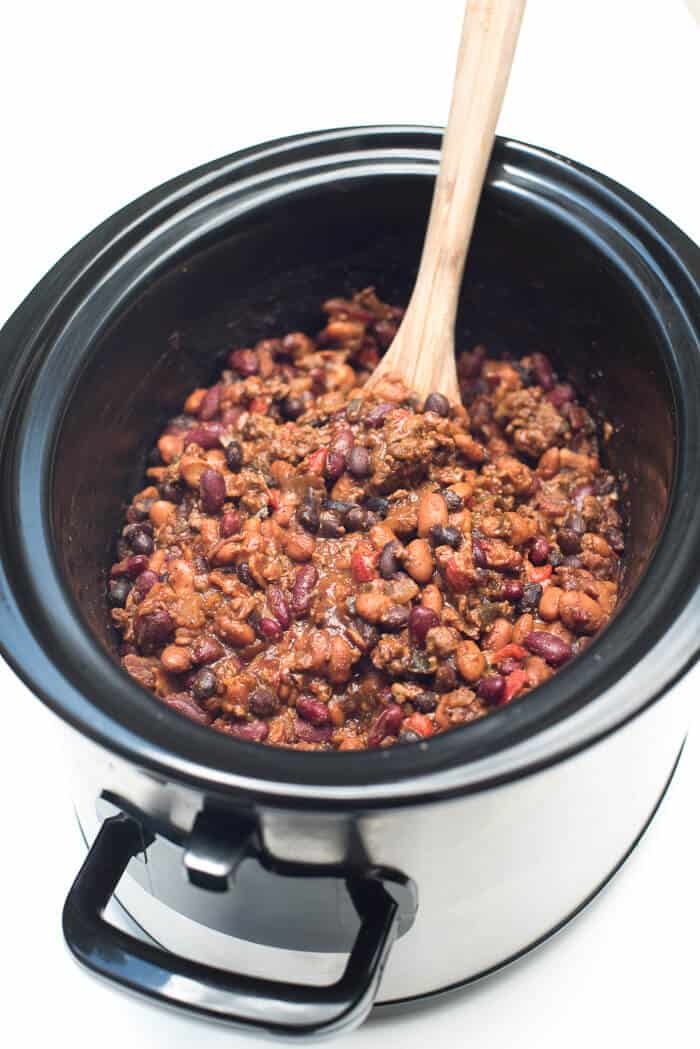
[316, 567]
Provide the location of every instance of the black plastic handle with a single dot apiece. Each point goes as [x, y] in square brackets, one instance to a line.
[268, 1006]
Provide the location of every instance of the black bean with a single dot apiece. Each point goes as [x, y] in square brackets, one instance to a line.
[292, 407]
[170, 491]
[395, 619]
[118, 592]
[478, 554]
[425, 702]
[438, 403]
[445, 678]
[262, 702]
[141, 542]
[138, 512]
[359, 462]
[204, 684]
[356, 519]
[409, 736]
[569, 540]
[338, 506]
[445, 535]
[532, 592]
[330, 525]
[454, 501]
[378, 505]
[388, 561]
[234, 456]
[245, 575]
[309, 517]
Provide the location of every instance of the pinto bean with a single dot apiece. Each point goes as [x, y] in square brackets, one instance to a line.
[340, 660]
[500, 634]
[372, 605]
[432, 598]
[432, 510]
[580, 613]
[299, 546]
[470, 661]
[549, 603]
[418, 560]
[176, 659]
[548, 465]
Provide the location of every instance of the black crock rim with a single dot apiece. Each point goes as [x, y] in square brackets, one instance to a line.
[648, 647]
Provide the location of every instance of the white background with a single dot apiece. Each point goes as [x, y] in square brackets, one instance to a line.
[102, 101]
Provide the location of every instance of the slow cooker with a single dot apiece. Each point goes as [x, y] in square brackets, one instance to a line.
[284, 891]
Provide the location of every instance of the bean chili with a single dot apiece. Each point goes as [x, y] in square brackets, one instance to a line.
[316, 567]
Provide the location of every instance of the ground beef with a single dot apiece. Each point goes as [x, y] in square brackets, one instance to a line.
[316, 567]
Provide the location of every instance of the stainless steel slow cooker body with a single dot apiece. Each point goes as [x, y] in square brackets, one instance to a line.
[277, 887]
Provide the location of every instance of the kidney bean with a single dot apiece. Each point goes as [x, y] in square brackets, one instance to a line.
[250, 731]
[263, 702]
[359, 462]
[145, 581]
[446, 679]
[153, 630]
[375, 416]
[210, 403]
[184, 704]
[569, 540]
[579, 494]
[357, 519]
[437, 403]
[548, 646]
[230, 524]
[420, 621]
[539, 551]
[207, 650]
[132, 567]
[278, 605]
[270, 629]
[560, 395]
[212, 491]
[492, 690]
[432, 510]
[292, 407]
[335, 465]
[512, 590]
[313, 710]
[204, 684]
[478, 554]
[309, 733]
[207, 437]
[234, 456]
[302, 591]
[542, 371]
[386, 724]
[118, 591]
[245, 362]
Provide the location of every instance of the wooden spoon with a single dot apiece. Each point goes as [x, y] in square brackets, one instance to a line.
[423, 351]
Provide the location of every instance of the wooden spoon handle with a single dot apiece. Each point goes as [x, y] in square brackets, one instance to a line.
[423, 350]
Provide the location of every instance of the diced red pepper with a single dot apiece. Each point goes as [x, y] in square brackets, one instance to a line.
[515, 682]
[273, 498]
[259, 406]
[457, 577]
[363, 563]
[419, 724]
[538, 575]
[317, 461]
[511, 651]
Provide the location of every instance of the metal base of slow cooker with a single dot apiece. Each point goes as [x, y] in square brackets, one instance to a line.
[132, 899]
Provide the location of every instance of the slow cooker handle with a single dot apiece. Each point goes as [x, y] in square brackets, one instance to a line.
[266, 1005]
